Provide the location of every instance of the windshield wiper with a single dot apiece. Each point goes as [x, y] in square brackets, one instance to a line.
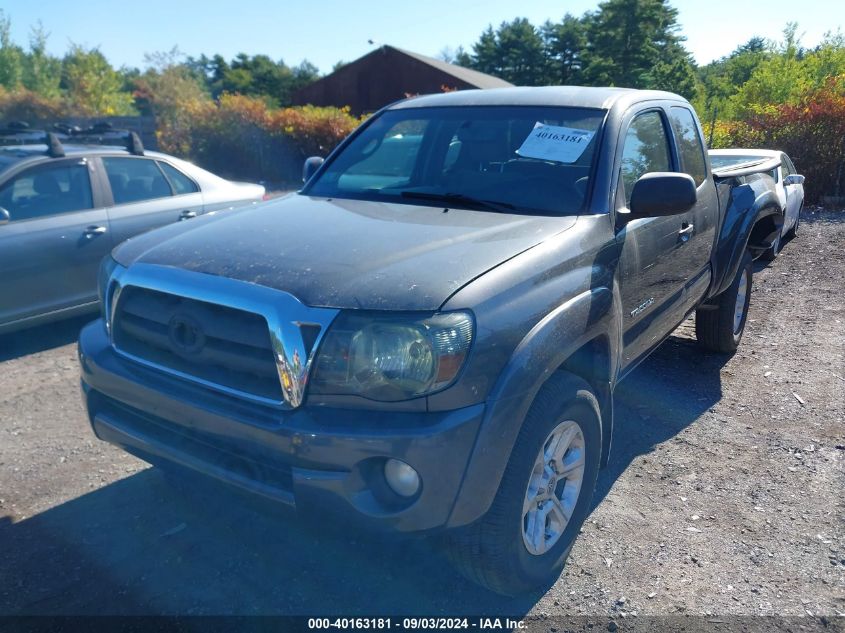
[490, 205]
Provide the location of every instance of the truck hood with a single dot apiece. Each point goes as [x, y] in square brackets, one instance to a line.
[346, 253]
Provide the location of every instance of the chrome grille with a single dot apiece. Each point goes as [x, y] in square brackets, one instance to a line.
[224, 346]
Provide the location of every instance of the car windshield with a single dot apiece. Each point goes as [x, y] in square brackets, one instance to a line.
[719, 161]
[508, 159]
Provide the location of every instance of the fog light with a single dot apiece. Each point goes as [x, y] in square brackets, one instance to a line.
[403, 479]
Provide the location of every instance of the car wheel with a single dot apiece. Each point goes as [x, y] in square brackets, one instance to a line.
[774, 250]
[545, 494]
[719, 323]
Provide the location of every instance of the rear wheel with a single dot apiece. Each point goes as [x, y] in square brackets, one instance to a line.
[544, 496]
[719, 324]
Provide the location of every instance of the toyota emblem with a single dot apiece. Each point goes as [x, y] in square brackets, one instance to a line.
[185, 335]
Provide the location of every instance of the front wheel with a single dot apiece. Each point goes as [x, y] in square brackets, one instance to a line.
[544, 496]
[719, 323]
[774, 250]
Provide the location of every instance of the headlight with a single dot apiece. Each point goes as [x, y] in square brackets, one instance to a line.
[109, 269]
[391, 357]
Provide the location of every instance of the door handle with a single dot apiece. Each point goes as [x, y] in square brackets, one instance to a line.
[187, 215]
[686, 231]
[94, 230]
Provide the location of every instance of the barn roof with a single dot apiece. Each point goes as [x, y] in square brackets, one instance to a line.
[473, 77]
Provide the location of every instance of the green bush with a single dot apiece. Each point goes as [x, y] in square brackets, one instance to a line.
[811, 131]
[242, 137]
[24, 105]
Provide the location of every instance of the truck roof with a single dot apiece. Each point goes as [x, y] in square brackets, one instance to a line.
[572, 96]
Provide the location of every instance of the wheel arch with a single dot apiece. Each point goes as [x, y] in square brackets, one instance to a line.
[767, 225]
[748, 209]
[578, 339]
[592, 363]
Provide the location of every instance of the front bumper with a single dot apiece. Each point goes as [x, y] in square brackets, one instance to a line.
[313, 458]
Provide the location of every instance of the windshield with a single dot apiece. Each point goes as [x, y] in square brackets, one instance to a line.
[718, 161]
[513, 159]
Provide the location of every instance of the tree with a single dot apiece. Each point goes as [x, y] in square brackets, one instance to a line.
[168, 85]
[634, 43]
[674, 71]
[42, 73]
[485, 53]
[523, 53]
[11, 56]
[515, 52]
[303, 74]
[92, 86]
[462, 58]
[721, 78]
[565, 42]
[790, 72]
[778, 79]
[256, 76]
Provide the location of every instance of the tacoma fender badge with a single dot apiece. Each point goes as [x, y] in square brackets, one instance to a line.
[642, 307]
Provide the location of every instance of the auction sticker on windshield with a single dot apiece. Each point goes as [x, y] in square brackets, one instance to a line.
[555, 143]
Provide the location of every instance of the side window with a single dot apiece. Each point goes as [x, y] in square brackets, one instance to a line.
[646, 149]
[179, 181]
[690, 147]
[135, 179]
[42, 191]
[786, 167]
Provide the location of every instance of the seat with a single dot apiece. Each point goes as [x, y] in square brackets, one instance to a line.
[118, 182]
[45, 184]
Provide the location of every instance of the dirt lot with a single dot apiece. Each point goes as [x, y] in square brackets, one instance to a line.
[724, 494]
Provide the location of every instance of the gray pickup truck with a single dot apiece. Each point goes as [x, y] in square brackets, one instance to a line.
[427, 337]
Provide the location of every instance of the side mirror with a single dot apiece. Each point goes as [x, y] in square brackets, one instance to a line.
[662, 193]
[311, 165]
[794, 179]
[5, 218]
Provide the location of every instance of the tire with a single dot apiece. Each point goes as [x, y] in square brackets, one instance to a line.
[494, 551]
[774, 250]
[718, 324]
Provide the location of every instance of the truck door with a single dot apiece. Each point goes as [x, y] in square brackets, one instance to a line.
[701, 220]
[652, 272]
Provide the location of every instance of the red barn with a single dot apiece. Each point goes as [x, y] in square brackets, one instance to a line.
[386, 75]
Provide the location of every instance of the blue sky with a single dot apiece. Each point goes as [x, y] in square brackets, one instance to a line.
[325, 31]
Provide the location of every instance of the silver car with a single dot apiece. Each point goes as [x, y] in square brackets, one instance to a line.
[790, 185]
[63, 207]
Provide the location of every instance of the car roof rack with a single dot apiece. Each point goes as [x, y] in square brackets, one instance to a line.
[103, 133]
[19, 133]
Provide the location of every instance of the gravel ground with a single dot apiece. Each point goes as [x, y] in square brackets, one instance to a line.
[724, 495]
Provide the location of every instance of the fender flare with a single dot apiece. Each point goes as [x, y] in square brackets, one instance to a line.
[746, 209]
[546, 347]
